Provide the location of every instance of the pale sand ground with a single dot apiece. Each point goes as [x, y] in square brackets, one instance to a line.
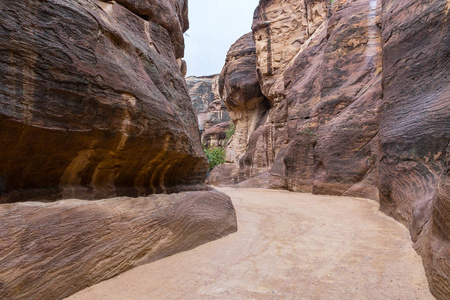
[288, 246]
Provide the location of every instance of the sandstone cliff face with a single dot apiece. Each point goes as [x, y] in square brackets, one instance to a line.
[323, 91]
[93, 103]
[415, 129]
[213, 118]
[280, 29]
[358, 105]
[242, 95]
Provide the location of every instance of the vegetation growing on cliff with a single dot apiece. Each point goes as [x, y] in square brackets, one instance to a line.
[215, 155]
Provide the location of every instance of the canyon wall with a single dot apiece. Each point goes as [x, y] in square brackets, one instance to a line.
[212, 115]
[239, 87]
[356, 102]
[320, 78]
[414, 132]
[94, 104]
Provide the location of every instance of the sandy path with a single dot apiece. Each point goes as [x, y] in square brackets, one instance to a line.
[288, 246]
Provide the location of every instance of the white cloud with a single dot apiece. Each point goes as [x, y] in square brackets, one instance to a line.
[214, 26]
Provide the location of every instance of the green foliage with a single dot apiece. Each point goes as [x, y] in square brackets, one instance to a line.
[230, 131]
[215, 155]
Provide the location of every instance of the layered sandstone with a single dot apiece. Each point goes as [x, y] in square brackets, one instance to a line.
[280, 29]
[322, 92]
[338, 123]
[212, 115]
[414, 165]
[93, 103]
[240, 90]
[50, 251]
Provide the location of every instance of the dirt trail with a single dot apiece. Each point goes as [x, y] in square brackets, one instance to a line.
[288, 246]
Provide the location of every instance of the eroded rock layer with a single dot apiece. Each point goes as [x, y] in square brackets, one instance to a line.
[50, 251]
[414, 131]
[93, 104]
[320, 78]
[92, 101]
[240, 90]
[213, 118]
[338, 123]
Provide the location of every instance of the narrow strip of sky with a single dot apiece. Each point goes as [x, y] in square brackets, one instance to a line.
[214, 26]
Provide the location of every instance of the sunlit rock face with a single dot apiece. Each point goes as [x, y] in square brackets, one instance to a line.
[414, 165]
[212, 115]
[93, 103]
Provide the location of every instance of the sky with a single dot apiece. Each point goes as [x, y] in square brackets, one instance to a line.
[214, 26]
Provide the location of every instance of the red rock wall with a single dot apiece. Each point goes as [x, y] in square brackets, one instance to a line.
[93, 103]
[324, 92]
[359, 106]
[240, 90]
[414, 165]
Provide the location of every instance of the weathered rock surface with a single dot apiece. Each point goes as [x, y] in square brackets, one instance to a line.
[240, 90]
[94, 104]
[224, 175]
[172, 15]
[209, 108]
[319, 127]
[50, 251]
[414, 131]
[280, 29]
[92, 100]
[333, 93]
[338, 123]
[216, 136]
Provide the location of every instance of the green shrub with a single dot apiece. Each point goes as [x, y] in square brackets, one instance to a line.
[215, 155]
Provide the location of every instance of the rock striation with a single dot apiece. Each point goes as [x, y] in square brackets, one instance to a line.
[50, 251]
[94, 104]
[414, 165]
[357, 103]
[213, 118]
[239, 87]
[312, 88]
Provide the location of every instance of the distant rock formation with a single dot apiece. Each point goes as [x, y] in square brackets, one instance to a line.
[331, 120]
[94, 105]
[212, 115]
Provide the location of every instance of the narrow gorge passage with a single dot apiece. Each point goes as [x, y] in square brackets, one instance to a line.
[288, 246]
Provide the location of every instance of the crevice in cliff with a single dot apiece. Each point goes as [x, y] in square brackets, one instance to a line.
[306, 16]
[267, 24]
